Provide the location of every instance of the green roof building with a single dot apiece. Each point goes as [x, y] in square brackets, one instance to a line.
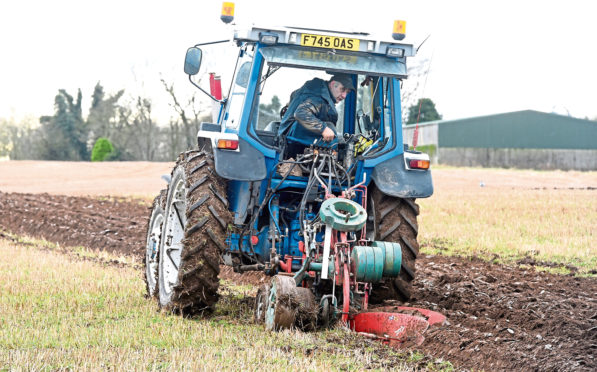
[522, 139]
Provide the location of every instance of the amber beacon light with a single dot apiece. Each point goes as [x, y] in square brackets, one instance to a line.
[227, 15]
[399, 31]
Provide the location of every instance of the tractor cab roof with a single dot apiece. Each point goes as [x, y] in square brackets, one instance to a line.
[331, 51]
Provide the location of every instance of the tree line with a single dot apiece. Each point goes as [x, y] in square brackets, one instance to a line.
[127, 131]
[129, 127]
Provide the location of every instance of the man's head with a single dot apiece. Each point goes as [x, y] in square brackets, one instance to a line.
[340, 85]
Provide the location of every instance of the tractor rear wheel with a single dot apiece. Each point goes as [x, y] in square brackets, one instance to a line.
[394, 219]
[152, 243]
[195, 225]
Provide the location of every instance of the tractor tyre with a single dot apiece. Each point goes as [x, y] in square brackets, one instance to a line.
[152, 243]
[194, 233]
[261, 304]
[394, 219]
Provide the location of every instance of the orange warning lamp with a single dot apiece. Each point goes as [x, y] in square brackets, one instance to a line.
[227, 15]
[399, 31]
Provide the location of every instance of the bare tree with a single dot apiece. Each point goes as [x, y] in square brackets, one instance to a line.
[174, 139]
[412, 88]
[145, 131]
[190, 125]
[20, 141]
[136, 134]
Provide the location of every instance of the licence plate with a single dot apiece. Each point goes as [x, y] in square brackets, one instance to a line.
[330, 42]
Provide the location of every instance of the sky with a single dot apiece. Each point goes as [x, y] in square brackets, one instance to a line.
[482, 57]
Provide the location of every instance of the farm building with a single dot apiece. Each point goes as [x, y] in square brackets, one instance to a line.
[522, 139]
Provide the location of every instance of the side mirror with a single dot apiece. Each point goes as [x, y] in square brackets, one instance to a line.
[242, 78]
[192, 61]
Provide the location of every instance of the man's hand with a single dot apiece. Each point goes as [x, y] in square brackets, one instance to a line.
[328, 134]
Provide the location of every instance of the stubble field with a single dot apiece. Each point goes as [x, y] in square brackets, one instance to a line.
[509, 257]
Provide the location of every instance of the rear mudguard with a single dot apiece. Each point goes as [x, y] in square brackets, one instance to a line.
[392, 178]
[245, 164]
[248, 164]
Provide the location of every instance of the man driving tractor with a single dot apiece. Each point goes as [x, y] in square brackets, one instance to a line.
[311, 113]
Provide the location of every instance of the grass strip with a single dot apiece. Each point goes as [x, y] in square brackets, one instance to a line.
[60, 313]
[550, 229]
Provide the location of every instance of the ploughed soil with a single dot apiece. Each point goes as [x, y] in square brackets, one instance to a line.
[499, 317]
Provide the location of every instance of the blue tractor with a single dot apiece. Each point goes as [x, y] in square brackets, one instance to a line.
[334, 224]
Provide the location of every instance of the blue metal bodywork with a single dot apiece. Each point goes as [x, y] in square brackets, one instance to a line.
[251, 171]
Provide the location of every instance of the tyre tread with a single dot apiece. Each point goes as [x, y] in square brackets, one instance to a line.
[401, 217]
[198, 283]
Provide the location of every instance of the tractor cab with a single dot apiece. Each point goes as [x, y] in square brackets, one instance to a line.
[272, 63]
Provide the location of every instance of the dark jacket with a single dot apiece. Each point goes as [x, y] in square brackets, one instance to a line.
[310, 111]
